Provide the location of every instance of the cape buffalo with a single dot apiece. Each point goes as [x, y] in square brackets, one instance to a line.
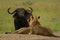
[21, 17]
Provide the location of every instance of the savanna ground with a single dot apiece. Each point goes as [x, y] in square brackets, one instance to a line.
[49, 10]
[27, 37]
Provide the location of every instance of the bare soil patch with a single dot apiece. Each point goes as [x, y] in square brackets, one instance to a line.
[27, 37]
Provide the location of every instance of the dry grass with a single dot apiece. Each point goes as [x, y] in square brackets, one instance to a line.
[49, 10]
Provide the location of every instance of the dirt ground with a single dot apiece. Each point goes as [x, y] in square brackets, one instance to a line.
[27, 37]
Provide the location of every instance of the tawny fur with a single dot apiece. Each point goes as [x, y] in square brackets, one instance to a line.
[24, 30]
[35, 28]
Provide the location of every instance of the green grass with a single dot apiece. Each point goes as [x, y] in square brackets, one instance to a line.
[48, 10]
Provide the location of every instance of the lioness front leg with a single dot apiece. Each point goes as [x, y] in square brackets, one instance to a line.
[24, 30]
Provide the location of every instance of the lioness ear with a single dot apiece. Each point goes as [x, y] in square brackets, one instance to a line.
[38, 17]
[30, 18]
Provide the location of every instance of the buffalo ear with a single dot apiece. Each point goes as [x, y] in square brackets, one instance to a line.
[38, 17]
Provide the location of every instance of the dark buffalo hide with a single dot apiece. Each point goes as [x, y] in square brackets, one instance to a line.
[21, 17]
